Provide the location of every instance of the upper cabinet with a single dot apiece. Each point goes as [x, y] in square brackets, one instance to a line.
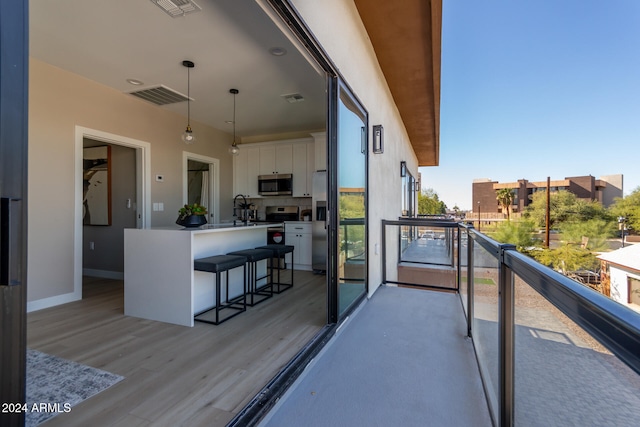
[320, 145]
[295, 156]
[303, 168]
[276, 159]
[245, 178]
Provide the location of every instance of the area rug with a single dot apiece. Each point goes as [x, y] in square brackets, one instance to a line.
[55, 385]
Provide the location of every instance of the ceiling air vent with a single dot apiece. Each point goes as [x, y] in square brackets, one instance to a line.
[160, 95]
[292, 98]
[176, 8]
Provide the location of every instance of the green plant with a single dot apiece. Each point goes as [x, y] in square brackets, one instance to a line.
[193, 209]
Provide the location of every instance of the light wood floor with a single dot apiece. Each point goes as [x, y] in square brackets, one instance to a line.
[175, 375]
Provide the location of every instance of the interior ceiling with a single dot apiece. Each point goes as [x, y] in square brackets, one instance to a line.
[228, 40]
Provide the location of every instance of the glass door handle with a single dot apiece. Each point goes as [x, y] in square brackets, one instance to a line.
[5, 241]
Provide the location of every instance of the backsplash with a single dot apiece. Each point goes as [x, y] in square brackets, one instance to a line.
[260, 203]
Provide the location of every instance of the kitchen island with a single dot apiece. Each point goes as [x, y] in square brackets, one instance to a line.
[159, 280]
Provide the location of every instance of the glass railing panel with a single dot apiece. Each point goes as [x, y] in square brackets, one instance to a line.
[420, 253]
[485, 320]
[563, 376]
[428, 245]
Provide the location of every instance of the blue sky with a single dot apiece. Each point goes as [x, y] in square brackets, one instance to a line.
[537, 88]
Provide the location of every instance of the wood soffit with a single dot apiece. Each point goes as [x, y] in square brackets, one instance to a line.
[406, 37]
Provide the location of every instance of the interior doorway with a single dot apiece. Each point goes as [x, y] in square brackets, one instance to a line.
[139, 201]
[201, 183]
[103, 237]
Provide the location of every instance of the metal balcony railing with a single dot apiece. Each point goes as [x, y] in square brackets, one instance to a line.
[550, 350]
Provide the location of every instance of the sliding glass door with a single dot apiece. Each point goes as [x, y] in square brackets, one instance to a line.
[350, 174]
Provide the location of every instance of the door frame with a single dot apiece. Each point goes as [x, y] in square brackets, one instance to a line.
[14, 112]
[214, 182]
[143, 193]
[337, 86]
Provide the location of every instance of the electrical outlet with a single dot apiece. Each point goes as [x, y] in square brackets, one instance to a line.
[92, 246]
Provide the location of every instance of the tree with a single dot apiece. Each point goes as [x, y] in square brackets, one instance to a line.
[567, 257]
[629, 208]
[584, 225]
[519, 233]
[564, 207]
[505, 198]
[591, 234]
[429, 203]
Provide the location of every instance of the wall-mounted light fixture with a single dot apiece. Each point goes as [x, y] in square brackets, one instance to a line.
[188, 137]
[378, 139]
[403, 168]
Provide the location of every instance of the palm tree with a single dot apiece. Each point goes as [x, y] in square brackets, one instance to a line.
[505, 198]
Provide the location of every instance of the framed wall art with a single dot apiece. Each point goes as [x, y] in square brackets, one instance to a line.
[96, 180]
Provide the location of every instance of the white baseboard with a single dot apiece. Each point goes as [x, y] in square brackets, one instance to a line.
[104, 274]
[52, 301]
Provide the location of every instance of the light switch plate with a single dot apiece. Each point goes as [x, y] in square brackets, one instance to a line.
[160, 178]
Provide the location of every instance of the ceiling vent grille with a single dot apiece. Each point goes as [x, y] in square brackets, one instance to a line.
[177, 8]
[160, 95]
[292, 98]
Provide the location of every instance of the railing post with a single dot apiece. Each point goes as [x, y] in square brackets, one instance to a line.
[470, 268]
[506, 340]
[458, 252]
[384, 251]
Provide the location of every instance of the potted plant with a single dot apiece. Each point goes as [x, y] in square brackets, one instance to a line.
[193, 215]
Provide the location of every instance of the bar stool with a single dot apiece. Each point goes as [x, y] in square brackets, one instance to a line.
[219, 264]
[261, 293]
[279, 252]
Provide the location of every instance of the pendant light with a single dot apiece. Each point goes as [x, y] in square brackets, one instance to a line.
[234, 149]
[188, 137]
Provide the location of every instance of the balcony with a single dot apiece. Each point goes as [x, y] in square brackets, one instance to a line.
[471, 333]
[495, 339]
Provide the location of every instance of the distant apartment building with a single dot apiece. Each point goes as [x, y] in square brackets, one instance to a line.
[605, 190]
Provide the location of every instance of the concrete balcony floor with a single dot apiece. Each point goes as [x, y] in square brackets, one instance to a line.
[403, 358]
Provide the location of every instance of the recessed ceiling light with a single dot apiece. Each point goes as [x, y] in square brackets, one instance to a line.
[134, 82]
[278, 51]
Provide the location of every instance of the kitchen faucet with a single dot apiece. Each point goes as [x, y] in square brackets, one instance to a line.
[243, 206]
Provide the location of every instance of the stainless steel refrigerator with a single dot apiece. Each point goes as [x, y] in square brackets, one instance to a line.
[319, 217]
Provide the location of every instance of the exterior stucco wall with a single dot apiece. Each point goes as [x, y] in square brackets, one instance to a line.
[620, 283]
[337, 26]
[58, 102]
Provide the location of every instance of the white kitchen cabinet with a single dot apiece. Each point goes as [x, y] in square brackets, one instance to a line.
[303, 167]
[320, 145]
[253, 164]
[240, 164]
[267, 158]
[245, 172]
[276, 159]
[298, 234]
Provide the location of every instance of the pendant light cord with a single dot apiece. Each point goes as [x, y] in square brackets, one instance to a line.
[188, 96]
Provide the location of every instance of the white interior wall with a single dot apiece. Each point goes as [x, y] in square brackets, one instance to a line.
[58, 102]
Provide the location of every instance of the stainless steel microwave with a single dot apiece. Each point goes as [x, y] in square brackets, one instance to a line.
[275, 185]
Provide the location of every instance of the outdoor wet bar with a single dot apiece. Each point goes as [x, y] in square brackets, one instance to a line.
[159, 278]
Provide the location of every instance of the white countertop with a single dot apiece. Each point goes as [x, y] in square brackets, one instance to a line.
[210, 228]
